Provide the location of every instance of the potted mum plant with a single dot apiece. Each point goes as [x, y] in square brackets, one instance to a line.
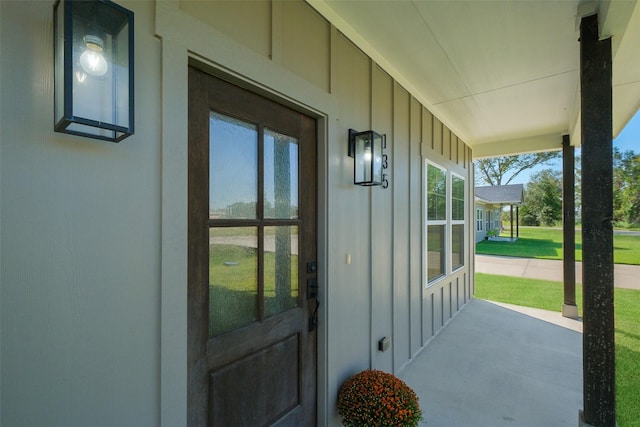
[374, 398]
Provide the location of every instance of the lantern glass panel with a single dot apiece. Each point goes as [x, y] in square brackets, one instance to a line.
[362, 159]
[376, 170]
[368, 158]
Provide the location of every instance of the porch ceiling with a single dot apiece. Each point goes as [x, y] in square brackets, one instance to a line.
[502, 74]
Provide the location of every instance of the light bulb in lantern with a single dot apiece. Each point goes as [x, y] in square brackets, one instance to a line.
[92, 60]
[367, 153]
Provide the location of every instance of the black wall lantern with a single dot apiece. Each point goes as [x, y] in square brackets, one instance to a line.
[369, 161]
[93, 51]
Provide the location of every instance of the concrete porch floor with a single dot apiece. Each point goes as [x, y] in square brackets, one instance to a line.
[500, 365]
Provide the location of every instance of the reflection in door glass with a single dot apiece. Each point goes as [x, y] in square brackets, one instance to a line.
[280, 269]
[233, 278]
[233, 175]
[280, 176]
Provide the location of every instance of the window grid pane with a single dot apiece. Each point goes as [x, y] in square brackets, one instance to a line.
[457, 198]
[435, 251]
[233, 278]
[280, 269]
[280, 176]
[457, 246]
[436, 193]
[233, 172]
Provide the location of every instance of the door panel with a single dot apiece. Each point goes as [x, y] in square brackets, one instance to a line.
[248, 380]
[252, 231]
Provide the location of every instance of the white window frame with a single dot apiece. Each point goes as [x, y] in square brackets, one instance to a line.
[479, 219]
[427, 222]
[487, 219]
[453, 222]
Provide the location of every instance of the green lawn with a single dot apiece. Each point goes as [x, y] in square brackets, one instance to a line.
[546, 243]
[549, 296]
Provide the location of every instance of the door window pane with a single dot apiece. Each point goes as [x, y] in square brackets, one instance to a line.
[233, 168]
[280, 176]
[233, 278]
[435, 251]
[280, 269]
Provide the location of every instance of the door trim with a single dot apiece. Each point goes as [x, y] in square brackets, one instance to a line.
[279, 84]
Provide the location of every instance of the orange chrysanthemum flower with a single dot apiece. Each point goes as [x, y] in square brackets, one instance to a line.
[377, 399]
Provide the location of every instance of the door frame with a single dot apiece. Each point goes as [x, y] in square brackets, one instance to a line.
[178, 51]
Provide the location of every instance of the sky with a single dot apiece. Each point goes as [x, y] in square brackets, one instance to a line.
[628, 139]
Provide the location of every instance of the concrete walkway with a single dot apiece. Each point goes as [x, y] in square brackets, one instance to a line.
[499, 365]
[625, 276]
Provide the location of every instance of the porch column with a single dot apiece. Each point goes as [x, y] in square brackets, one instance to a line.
[597, 231]
[511, 207]
[517, 220]
[569, 307]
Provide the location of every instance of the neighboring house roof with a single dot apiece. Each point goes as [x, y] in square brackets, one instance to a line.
[500, 194]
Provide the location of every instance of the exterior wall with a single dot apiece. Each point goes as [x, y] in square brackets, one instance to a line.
[443, 298]
[93, 249]
[80, 247]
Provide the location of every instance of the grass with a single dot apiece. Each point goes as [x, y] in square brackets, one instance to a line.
[546, 243]
[542, 294]
[548, 295]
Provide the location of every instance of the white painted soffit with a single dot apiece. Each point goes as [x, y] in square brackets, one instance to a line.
[626, 59]
[502, 74]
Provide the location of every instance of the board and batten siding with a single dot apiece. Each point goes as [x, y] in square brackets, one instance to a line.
[80, 248]
[381, 291]
[93, 272]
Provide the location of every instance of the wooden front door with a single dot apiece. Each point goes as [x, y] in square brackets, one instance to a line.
[252, 259]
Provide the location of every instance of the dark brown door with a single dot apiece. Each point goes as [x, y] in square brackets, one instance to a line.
[252, 253]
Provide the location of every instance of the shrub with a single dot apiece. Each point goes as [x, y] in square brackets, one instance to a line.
[374, 398]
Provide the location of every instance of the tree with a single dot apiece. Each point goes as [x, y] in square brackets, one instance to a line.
[626, 187]
[543, 199]
[503, 169]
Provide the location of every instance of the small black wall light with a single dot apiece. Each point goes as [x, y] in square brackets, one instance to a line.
[93, 69]
[369, 160]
